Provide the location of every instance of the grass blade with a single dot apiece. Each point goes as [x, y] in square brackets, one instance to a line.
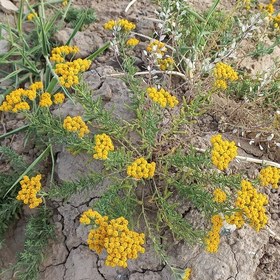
[30, 167]
[77, 28]
[99, 51]
[19, 129]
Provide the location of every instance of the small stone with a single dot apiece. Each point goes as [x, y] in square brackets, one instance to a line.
[7, 6]
[85, 41]
[92, 79]
[68, 109]
[274, 216]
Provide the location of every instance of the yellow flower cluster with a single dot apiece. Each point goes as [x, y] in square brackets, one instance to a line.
[165, 63]
[187, 274]
[122, 24]
[157, 51]
[64, 3]
[223, 74]
[45, 100]
[132, 42]
[276, 21]
[162, 97]
[157, 47]
[247, 4]
[36, 86]
[76, 124]
[87, 216]
[223, 152]
[114, 236]
[59, 98]
[235, 219]
[140, 168]
[270, 176]
[212, 240]
[31, 16]
[269, 8]
[103, 144]
[58, 54]
[29, 189]
[16, 100]
[252, 203]
[69, 71]
[219, 195]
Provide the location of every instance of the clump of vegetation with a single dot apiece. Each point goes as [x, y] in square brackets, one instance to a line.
[146, 176]
[74, 15]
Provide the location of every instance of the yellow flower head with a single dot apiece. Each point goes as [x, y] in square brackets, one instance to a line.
[132, 42]
[45, 100]
[223, 151]
[212, 239]
[156, 47]
[162, 97]
[58, 54]
[166, 63]
[121, 24]
[252, 203]
[77, 125]
[270, 176]
[59, 98]
[31, 16]
[103, 145]
[120, 243]
[219, 196]
[69, 71]
[140, 168]
[235, 219]
[29, 189]
[16, 100]
[187, 274]
[224, 74]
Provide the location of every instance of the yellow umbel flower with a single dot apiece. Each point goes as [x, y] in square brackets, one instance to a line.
[45, 100]
[59, 98]
[270, 176]
[15, 101]
[252, 203]
[58, 54]
[36, 86]
[87, 216]
[219, 196]
[140, 168]
[247, 4]
[120, 24]
[64, 3]
[212, 240]
[132, 42]
[120, 243]
[77, 125]
[103, 145]
[162, 97]
[187, 274]
[276, 21]
[235, 219]
[31, 16]
[224, 74]
[223, 151]
[166, 63]
[156, 47]
[29, 189]
[69, 71]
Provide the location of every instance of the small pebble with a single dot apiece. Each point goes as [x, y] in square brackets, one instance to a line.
[274, 216]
